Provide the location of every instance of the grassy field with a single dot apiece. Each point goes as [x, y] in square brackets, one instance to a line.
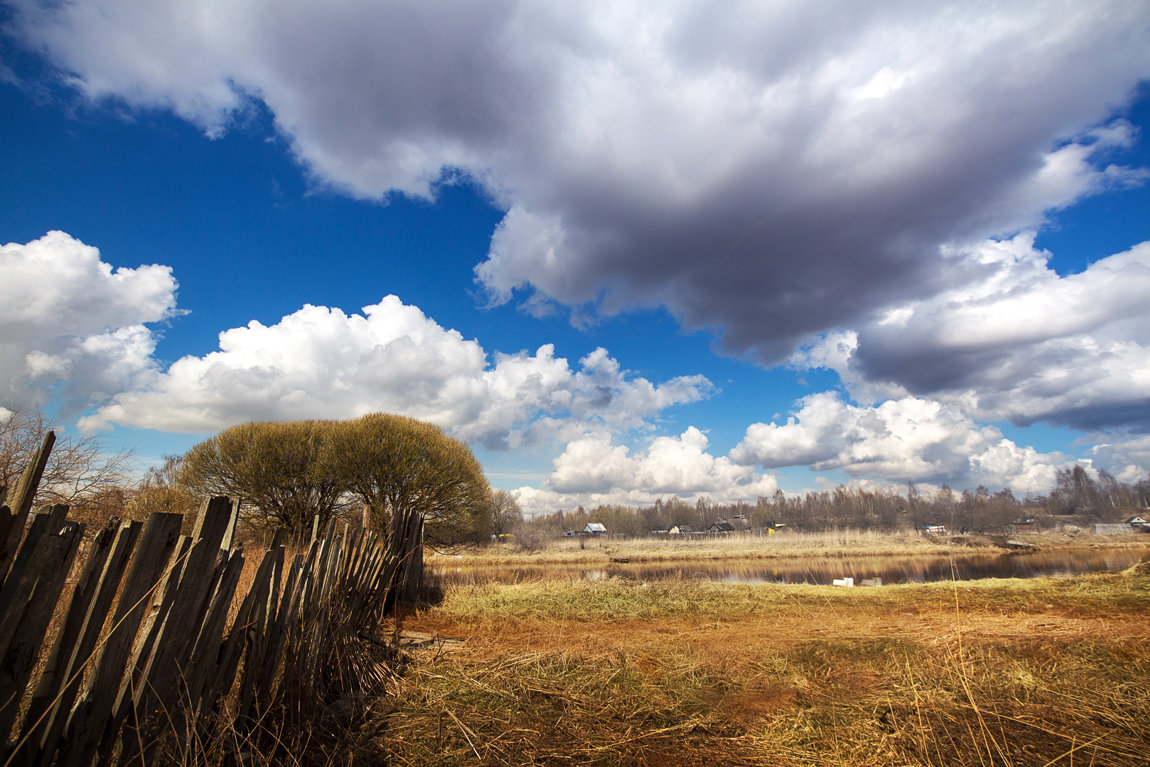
[564, 551]
[1006, 672]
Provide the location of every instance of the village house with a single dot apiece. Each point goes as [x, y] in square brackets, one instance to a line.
[1028, 526]
[595, 529]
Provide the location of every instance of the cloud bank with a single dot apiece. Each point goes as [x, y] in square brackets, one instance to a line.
[319, 362]
[766, 170]
[594, 470]
[86, 335]
[908, 439]
[72, 326]
[835, 185]
[1020, 343]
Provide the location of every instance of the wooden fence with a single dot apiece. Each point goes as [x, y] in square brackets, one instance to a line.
[152, 634]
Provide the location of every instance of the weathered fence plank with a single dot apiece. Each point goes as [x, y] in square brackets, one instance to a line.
[158, 541]
[25, 495]
[75, 642]
[250, 628]
[156, 688]
[34, 597]
[11, 530]
[145, 629]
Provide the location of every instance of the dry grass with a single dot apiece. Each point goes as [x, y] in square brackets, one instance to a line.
[1037, 672]
[854, 543]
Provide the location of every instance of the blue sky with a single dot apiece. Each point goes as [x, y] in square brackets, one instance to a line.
[623, 250]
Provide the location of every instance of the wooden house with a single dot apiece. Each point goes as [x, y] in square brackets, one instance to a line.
[1028, 526]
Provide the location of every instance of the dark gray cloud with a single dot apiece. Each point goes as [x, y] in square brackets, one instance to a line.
[1021, 343]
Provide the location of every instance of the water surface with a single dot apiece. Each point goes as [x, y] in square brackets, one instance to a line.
[822, 570]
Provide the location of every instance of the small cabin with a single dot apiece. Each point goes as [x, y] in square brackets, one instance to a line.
[722, 526]
[594, 529]
[1028, 526]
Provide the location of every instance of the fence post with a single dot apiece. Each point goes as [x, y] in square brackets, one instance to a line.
[34, 597]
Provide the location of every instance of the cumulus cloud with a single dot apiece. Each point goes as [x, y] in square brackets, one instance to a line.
[73, 324]
[322, 363]
[766, 170]
[1126, 458]
[1020, 343]
[595, 470]
[905, 439]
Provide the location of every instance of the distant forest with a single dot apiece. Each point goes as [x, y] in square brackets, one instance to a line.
[1076, 498]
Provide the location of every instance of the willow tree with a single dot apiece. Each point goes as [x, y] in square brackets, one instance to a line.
[420, 484]
[282, 472]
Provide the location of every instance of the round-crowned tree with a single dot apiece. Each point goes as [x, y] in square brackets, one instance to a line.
[281, 472]
[420, 484]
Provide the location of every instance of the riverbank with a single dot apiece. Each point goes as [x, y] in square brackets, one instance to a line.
[1018, 672]
[784, 544]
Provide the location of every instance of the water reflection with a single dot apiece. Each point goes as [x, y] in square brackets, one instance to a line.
[822, 570]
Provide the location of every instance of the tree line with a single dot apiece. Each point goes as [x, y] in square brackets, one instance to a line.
[1076, 497]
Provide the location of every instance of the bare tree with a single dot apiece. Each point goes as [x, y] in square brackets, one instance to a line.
[160, 491]
[505, 512]
[80, 470]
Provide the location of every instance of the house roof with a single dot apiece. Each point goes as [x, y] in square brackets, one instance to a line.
[595, 527]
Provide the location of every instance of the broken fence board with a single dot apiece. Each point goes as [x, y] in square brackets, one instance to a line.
[46, 578]
[157, 543]
[60, 680]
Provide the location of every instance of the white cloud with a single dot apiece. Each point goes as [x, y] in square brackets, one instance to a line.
[322, 363]
[904, 439]
[766, 170]
[1019, 342]
[72, 321]
[594, 470]
[1127, 458]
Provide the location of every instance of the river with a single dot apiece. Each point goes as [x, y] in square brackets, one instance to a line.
[881, 570]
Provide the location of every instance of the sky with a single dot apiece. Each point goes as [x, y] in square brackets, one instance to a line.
[623, 250]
